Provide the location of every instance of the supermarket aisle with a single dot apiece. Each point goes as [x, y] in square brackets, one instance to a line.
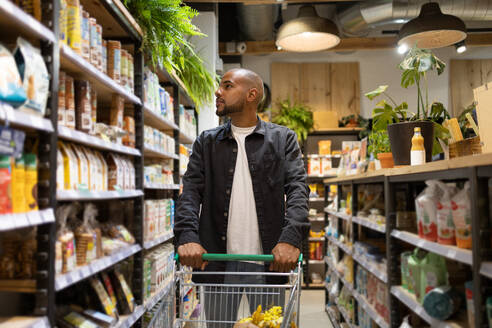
[313, 314]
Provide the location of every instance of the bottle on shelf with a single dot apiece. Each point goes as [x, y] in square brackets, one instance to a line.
[417, 152]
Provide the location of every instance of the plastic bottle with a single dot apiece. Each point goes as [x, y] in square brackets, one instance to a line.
[417, 152]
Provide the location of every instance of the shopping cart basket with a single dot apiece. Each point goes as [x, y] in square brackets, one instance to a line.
[223, 304]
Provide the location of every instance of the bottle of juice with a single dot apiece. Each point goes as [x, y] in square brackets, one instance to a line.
[417, 152]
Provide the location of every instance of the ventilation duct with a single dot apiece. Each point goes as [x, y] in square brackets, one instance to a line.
[256, 21]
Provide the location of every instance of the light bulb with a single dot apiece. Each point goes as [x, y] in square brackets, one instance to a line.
[402, 49]
[461, 49]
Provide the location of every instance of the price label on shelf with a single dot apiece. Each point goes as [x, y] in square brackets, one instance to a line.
[21, 220]
[451, 253]
[34, 217]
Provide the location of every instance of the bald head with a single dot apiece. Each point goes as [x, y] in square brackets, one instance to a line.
[251, 80]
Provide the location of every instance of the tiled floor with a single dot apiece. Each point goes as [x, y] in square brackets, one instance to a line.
[313, 313]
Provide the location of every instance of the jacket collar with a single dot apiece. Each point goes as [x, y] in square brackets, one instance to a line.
[227, 130]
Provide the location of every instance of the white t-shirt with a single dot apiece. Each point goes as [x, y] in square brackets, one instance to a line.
[243, 235]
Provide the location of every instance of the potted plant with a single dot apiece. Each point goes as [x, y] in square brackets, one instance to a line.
[297, 117]
[379, 146]
[399, 122]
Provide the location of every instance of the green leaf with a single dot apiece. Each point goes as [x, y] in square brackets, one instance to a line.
[373, 94]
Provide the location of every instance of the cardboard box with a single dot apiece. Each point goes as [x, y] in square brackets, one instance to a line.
[325, 120]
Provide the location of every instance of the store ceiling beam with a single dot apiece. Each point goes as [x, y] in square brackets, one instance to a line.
[348, 44]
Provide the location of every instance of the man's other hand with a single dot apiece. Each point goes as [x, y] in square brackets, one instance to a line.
[285, 257]
[190, 254]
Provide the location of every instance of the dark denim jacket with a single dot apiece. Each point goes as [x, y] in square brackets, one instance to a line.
[279, 186]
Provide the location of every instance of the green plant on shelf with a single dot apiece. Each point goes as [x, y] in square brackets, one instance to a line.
[296, 116]
[379, 143]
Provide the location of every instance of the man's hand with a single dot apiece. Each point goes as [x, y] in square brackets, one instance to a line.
[285, 257]
[190, 254]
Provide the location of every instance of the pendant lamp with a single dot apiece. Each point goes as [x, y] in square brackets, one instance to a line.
[432, 29]
[308, 32]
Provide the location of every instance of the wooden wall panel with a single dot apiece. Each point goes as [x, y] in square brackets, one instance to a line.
[285, 82]
[345, 88]
[464, 76]
[322, 86]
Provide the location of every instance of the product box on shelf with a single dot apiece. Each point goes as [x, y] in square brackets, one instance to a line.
[158, 218]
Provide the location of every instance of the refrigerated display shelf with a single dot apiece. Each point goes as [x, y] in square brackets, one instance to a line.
[369, 224]
[15, 19]
[369, 266]
[24, 322]
[157, 121]
[451, 252]
[78, 67]
[410, 301]
[70, 195]
[80, 273]
[94, 142]
[28, 219]
[22, 119]
[158, 240]
[151, 152]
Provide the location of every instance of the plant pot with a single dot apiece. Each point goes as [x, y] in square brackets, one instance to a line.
[386, 160]
[400, 136]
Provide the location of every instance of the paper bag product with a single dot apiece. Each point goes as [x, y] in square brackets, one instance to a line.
[18, 186]
[31, 185]
[83, 106]
[34, 76]
[445, 225]
[63, 22]
[99, 47]
[115, 173]
[132, 174]
[105, 170]
[73, 25]
[93, 41]
[86, 36]
[85, 239]
[117, 111]
[149, 215]
[114, 60]
[324, 147]
[61, 98]
[97, 174]
[126, 301]
[131, 73]
[11, 87]
[433, 273]
[426, 210]
[5, 185]
[69, 102]
[60, 171]
[109, 288]
[126, 172]
[70, 166]
[66, 237]
[326, 165]
[129, 127]
[104, 301]
[124, 68]
[58, 257]
[92, 167]
[414, 269]
[93, 111]
[461, 211]
[83, 165]
[104, 56]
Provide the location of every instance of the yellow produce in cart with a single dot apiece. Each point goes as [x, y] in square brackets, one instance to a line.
[269, 319]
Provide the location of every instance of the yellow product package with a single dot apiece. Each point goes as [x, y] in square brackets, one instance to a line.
[83, 171]
[74, 34]
[18, 186]
[70, 167]
[60, 178]
[31, 184]
[32, 7]
[63, 22]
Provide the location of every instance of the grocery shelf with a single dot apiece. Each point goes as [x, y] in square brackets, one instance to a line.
[340, 215]
[64, 280]
[153, 153]
[317, 239]
[411, 302]
[127, 321]
[345, 315]
[486, 269]
[369, 266]
[67, 195]
[378, 319]
[451, 252]
[161, 186]
[94, 142]
[78, 67]
[345, 248]
[157, 121]
[24, 322]
[369, 224]
[28, 219]
[152, 301]
[185, 139]
[158, 240]
[16, 20]
[349, 285]
[332, 316]
[22, 119]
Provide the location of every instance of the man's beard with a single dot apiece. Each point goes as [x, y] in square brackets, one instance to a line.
[230, 109]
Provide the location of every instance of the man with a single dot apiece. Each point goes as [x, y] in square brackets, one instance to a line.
[244, 192]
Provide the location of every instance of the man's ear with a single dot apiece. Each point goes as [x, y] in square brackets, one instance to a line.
[252, 94]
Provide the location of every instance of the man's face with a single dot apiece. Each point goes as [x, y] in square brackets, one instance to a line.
[230, 96]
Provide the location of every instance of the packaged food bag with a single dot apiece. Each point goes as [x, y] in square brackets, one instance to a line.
[19, 203]
[442, 302]
[5, 185]
[66, 238]
[126, 301]
[445, 224]
[103, 299]
[414, 267]
[433, 273]
[425, 206]
[405, 275]
[461, 212]
[85, 237]
[11, 88]
[109, 288]
[470, 307]
[31, 182]
[34, 76]
[74, 31]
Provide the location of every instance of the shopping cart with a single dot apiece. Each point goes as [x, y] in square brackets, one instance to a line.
[223, 304]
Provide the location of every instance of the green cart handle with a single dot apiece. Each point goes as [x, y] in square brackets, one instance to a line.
[236, 257]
